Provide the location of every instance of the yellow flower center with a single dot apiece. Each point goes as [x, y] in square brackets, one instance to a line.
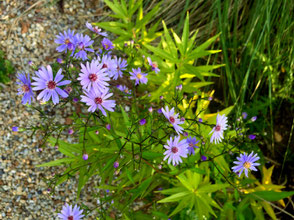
[246, 165]
[139, 75]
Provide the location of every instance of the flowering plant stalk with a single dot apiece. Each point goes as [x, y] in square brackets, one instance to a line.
[142, 147]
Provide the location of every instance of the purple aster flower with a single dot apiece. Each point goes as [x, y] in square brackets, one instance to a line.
[98, 100]
[15, 129]
[66, 40]
[75, 99]
[49, 85]
[175, 150]
[69, 213]
[191, 141]
[120, 65]
[93, 76]
[252, 136]
[138, 76]
[200, 120]
[124, 89]
[107, 44]
[59, 60]
[70, 131]
[108, 64]
[95, 29]
[82, 44]
[245, 162]
[108, 127]
[25, 89]
[253, 118]
[159, 111]
[204, 158]
[85, 156]
[154, 66]
[150, 109]
[244, 115]
[180, 87]
[116, 164]
[173, 119]
[142, 121]
[218, 130]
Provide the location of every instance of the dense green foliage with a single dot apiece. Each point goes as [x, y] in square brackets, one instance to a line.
[6, 68]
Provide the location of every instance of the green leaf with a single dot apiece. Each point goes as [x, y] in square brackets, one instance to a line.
[129, 175]
[198, 54]
[175, 197]
[150, 155]
[206, 44]
[208, 68]
[66, 148]
[270, 195]
[116, 8]
[191, 41]
[185, 36]
[81, 183]
[146, 18]
[141, 189]
[125, 117]
[205, 200]
[124, 7]
[178, 42]
[172, 190]
[108, 164]
[134, 7]
[257, 209]
[193, 70]
[193, 178]
[191, 87]
[57, 162]
[269, 210]
[161, 215]
[169, 41]
[161, 53]
[182, 178]
[198, 170]
[114, 27]
[212, 188]
[183, 204]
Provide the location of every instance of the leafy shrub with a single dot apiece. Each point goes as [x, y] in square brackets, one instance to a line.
[152, 141]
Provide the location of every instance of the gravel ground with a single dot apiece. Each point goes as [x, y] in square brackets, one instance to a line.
[27, 30]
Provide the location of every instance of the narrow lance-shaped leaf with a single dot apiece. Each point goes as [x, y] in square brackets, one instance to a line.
[169, 41]
[271, 195]
[185, 35]
[175, 197]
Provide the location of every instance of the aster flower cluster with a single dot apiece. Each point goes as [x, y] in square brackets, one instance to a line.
[176, 149]
[89, 80]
